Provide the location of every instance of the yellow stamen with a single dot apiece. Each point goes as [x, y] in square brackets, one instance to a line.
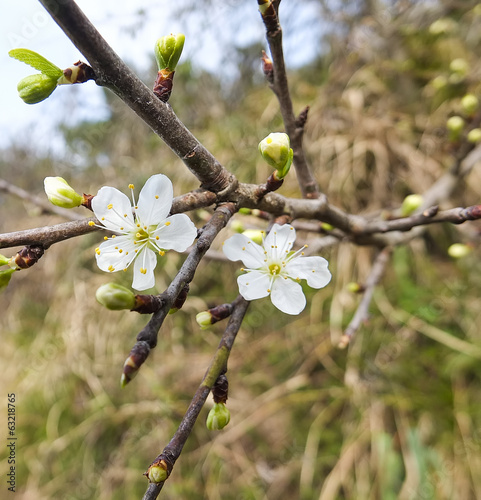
[120, 251]
[131, 186]
[143, 270]
[91, 223]
[161, 253]
[110, 206]
[156, 197]
[111, 268]
[167, 223]
[106, 238]
[97, 251]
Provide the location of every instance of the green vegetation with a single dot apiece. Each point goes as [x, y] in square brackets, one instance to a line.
[398, 415]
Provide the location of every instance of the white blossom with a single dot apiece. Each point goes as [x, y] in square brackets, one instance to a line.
[142, 231]
[272, 268]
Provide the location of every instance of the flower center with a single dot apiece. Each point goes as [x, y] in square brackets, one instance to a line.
[274, 269]
[142, 235]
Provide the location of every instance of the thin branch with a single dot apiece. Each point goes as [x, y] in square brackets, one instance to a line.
[113, 73]
[217, 367]
[362, 312]
[147, 338]
[280, 86]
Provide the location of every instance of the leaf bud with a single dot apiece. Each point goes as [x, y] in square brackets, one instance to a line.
[5, 277]
[458, 250]
[410, 204]
[60, 193]
[115, 297]
[168, 50]
[36, 88]
[276, 151]
[218, 417]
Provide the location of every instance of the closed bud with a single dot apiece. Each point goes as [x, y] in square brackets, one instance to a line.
[455, 125]
[276, 151]
[354, 287]
[157, 472]
[474, 135]
[115, 297]
[256, 235]
[459, 66]
[458, 250]
[237, 226]
[60, 193]
[410, 204]
[204, 319]
[469, 104]
[326, 226]
[218, 417]
[36, 88]
[168, 50]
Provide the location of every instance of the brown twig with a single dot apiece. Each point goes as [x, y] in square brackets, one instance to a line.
[113, 73]
[362, 312]
[280, 86]
[148, 335]
[217, 367]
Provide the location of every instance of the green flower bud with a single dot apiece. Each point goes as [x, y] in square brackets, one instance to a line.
[204, 319]
[5, 277]
[237, 226]
[218, 417]
[459, 66]
[115, 297]
[168, 50]
[442, 26]
[458, 250]
[439, 82]
[469, 104]
[60, 193]
[157, 472]
[276, 151]
[245, 211]
[455, 125]
[354, 287]
[326, 227]
[256, 235]
[36, 88]
[474, 135]
[411, 203]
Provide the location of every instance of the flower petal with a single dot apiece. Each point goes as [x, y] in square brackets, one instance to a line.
[178, 234]
[115, 254]
[144, 266]
[254, 285]
[313, 269]
[287, 296]
[119, 215]
[279, 241]
[240, 247]
[155, 200]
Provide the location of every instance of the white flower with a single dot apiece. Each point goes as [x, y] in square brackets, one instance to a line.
[137, 235]
[273, 269]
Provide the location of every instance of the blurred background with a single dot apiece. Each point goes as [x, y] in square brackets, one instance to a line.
[397, 415]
